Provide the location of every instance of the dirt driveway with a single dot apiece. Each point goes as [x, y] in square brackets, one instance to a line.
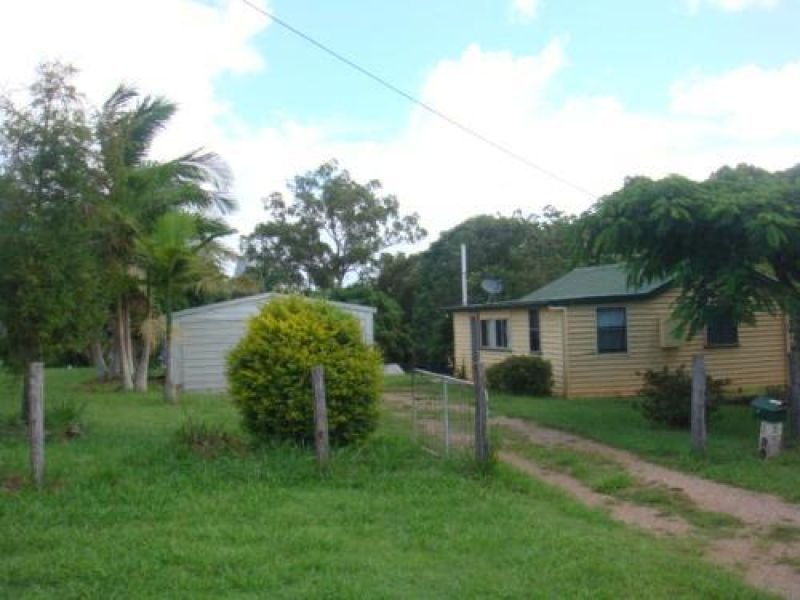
[756, 548]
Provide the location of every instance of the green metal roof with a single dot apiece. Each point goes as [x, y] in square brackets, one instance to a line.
[590, 284]
[604, 283]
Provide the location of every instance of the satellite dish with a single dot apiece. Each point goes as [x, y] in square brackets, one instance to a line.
[492, 286]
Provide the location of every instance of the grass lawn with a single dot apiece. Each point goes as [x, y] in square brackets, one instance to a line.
[732, 446]
[129, 512]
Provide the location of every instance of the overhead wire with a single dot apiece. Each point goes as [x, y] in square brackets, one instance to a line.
[414, 100]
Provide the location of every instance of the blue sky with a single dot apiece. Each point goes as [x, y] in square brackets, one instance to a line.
[630, 49]
[594, 91]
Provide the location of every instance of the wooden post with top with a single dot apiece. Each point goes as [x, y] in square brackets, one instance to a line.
[321, 441]
[35, 386]
[699, 431]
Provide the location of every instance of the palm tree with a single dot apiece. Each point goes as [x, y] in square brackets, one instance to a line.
[138, 192]
[182, 251]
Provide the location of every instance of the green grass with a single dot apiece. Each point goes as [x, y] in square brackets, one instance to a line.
[607, 476]
[783, 534]
[129, 511]
[731, 455]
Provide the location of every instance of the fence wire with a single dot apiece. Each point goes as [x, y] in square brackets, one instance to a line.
[442, 412]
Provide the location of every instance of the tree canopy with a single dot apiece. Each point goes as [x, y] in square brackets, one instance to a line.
[731, 243]
[332, 228]
[51, 299]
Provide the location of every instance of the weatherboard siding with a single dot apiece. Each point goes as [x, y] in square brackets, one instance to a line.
[551, 324]
[519, 340]
[758, 361]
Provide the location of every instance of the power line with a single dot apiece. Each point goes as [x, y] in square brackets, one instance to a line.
[414, 100]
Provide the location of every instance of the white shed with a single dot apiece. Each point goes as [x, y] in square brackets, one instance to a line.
[203, 336]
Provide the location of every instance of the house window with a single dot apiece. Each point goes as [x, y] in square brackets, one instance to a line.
[494, 333]
[533, 328]
[722, 331]
[612, 330]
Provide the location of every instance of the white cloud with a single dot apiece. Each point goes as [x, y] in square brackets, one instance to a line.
[748, 114]
[524, 10]
[175, 48]
[594, 142]
[749, 102]
[730, 5]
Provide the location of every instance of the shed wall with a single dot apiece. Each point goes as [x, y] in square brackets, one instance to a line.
[203, 338]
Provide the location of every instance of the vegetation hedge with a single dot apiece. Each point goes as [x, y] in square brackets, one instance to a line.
[666, 397]
[269, 372]
[522, 375]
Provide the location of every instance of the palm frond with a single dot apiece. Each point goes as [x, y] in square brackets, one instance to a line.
[149, 118]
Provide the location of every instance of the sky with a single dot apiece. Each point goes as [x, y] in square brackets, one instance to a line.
[592, 92]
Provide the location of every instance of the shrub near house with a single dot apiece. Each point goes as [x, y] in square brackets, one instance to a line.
[270, 373]
[522, 375]
[667, 397]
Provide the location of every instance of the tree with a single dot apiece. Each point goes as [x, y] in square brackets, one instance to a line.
[137, 192]
[181, 252]
[392, 329]
[731, 244]
[334, 227]
[396, 276]
[51, 296]
[525, 252]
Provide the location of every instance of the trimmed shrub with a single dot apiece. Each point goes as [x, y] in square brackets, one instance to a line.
[522, 375]
[667, 397]
[269, 372]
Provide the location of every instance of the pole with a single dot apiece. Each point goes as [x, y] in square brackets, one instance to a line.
[699, 432]
[481, 399]
[481, 416]
[36, 420]
[446, 419]
[464, 299]
[794, 396]
[321, 441]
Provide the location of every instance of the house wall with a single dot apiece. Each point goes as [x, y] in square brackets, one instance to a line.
[204, 336]
[550, 324]
[758, 361]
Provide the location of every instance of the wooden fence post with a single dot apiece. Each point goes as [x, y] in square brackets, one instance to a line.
[35, 386]
[794, 396]
[698, 404]
[481, 416]
[321, 441]
[481, 399]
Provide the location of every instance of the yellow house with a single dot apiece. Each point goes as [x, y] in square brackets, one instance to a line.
[599, 334]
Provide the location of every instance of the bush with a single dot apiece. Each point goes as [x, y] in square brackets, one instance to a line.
[667, 397]
[269, 372]
[522, 375]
